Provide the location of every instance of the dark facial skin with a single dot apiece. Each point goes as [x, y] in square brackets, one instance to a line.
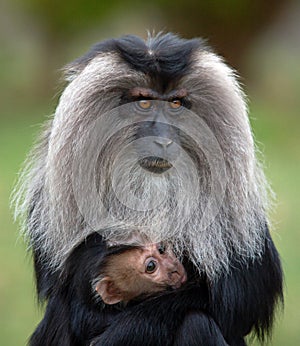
[157, 152]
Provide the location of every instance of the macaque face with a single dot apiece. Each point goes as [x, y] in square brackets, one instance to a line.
[140, 271]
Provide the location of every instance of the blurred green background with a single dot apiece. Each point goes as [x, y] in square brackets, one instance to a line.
[259, 38]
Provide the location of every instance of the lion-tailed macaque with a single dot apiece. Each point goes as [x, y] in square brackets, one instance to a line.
[137, 271]
[151, 134]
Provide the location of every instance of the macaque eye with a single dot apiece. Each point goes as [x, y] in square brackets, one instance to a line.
[145, 104]
[175, 104]
[161, 248]
[151, 267]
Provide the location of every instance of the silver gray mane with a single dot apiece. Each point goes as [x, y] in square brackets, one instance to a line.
[83, 175]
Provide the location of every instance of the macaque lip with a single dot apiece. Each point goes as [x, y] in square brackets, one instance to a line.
[155, 164]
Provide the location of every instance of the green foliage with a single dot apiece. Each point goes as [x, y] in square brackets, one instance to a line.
[66, 17]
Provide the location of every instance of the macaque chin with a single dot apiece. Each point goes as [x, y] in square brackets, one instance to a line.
[139, 270]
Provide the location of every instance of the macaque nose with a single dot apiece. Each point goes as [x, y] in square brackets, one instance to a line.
[163, 142]
[178, 277]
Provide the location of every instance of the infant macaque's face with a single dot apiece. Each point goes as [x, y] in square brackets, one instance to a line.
[138, 271]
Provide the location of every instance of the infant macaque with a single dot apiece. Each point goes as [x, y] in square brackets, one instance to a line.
[138, 271]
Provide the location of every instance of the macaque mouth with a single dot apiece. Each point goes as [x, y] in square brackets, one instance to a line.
[155, 164]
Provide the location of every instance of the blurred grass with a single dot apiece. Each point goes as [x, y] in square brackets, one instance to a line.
[279, 133]
[18, 311]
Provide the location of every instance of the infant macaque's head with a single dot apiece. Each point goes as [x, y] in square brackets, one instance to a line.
[132, 271]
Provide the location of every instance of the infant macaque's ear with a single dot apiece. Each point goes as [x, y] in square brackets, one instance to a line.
[107, 290]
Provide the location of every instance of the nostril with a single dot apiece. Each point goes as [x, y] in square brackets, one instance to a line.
[164, 142]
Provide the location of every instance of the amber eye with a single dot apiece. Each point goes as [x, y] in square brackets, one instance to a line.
[145, 104]
[151, 267]
[175, 104]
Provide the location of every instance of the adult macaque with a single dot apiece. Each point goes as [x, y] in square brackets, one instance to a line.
[153, 135]
[135, 271]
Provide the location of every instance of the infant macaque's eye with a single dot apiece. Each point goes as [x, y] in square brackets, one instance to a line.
[151, 267]
[161, 248]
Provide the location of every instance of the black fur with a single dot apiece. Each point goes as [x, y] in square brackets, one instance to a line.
[200, 313]
[170, 58]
